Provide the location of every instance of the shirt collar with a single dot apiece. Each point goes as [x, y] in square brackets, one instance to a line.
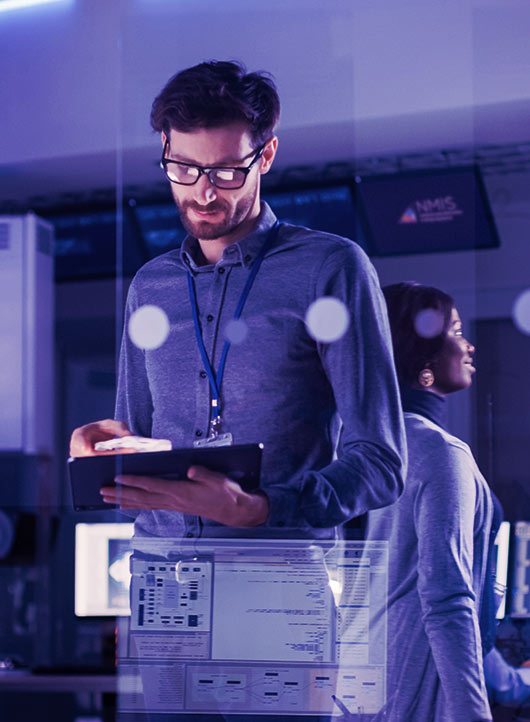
[243, 251]
[424, 403]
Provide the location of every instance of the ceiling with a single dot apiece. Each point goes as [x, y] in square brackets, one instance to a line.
[366, 86]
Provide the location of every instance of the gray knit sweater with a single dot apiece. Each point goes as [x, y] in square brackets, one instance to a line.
[438, 534]
[280, 387]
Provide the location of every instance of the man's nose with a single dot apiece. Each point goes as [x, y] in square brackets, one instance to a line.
[205, 192]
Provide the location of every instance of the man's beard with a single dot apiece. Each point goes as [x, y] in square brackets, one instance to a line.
[209, 231]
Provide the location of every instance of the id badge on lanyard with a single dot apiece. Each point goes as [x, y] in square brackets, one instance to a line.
[216, 438]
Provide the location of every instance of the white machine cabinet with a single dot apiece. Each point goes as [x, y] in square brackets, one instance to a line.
[26, 335]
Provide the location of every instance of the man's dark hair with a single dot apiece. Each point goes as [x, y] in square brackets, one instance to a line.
[217, 93]
[412, 351]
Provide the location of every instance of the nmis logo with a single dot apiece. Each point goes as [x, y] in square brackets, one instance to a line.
[409, 216]
[431, 210]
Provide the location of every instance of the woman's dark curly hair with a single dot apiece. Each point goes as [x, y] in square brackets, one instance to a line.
[412, 351]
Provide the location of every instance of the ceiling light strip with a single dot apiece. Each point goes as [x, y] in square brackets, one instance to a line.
[18, 4]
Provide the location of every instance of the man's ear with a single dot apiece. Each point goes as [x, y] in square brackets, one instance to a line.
[164, 138]
[268, 155]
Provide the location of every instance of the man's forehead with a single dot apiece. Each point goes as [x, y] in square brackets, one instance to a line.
[211, 146]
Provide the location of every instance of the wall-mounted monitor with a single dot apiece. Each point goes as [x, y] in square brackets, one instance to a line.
[324, 208]
[426, 211]
[87, 242]
[160, 227]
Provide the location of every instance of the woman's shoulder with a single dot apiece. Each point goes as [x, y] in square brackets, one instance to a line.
[442, 471]
[430, 444]
[420, 427]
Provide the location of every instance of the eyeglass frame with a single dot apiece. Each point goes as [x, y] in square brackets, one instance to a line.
[206, 170]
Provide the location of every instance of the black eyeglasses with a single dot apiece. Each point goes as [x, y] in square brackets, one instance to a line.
[187, 174]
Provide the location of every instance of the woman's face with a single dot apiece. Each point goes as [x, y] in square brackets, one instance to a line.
[453, 369]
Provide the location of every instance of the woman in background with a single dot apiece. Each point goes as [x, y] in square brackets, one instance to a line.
[440, 598]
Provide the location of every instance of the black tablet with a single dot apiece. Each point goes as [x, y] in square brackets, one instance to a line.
[88, 474]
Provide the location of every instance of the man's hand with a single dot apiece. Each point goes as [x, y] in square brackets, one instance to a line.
[208, 494]
[83, 439]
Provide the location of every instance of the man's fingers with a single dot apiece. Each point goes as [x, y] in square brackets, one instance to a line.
[117, 428]
[83, 438]
[80, 443]
[134, 498]
[200, 473]
[148, 483]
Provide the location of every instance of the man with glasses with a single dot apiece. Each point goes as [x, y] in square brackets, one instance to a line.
[239, 365]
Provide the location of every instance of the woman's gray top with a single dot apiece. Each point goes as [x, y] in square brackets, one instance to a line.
[438, 533]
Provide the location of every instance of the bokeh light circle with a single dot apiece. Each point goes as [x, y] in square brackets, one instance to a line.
[327, 319]
[236, 331]
[148, 327]
[429, 323]
[521, 312]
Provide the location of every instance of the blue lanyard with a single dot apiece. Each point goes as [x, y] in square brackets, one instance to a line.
[216, 379]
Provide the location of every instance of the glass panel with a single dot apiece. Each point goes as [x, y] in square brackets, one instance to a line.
[254, 627]
[405, 130]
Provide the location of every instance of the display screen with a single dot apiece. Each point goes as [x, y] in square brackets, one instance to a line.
[160, 227]
[519, 573]
[92, 243]
[502, 548]
[254, 627]
[426, 211]
[329, 209]
[86, 244]
[102, 573]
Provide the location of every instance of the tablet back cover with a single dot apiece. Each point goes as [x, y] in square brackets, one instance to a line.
[88, 474]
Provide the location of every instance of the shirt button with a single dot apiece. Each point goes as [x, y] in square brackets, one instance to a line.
[221, 270]
[202, 374]
[190, 534]
[209, 317]
[198, 432]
